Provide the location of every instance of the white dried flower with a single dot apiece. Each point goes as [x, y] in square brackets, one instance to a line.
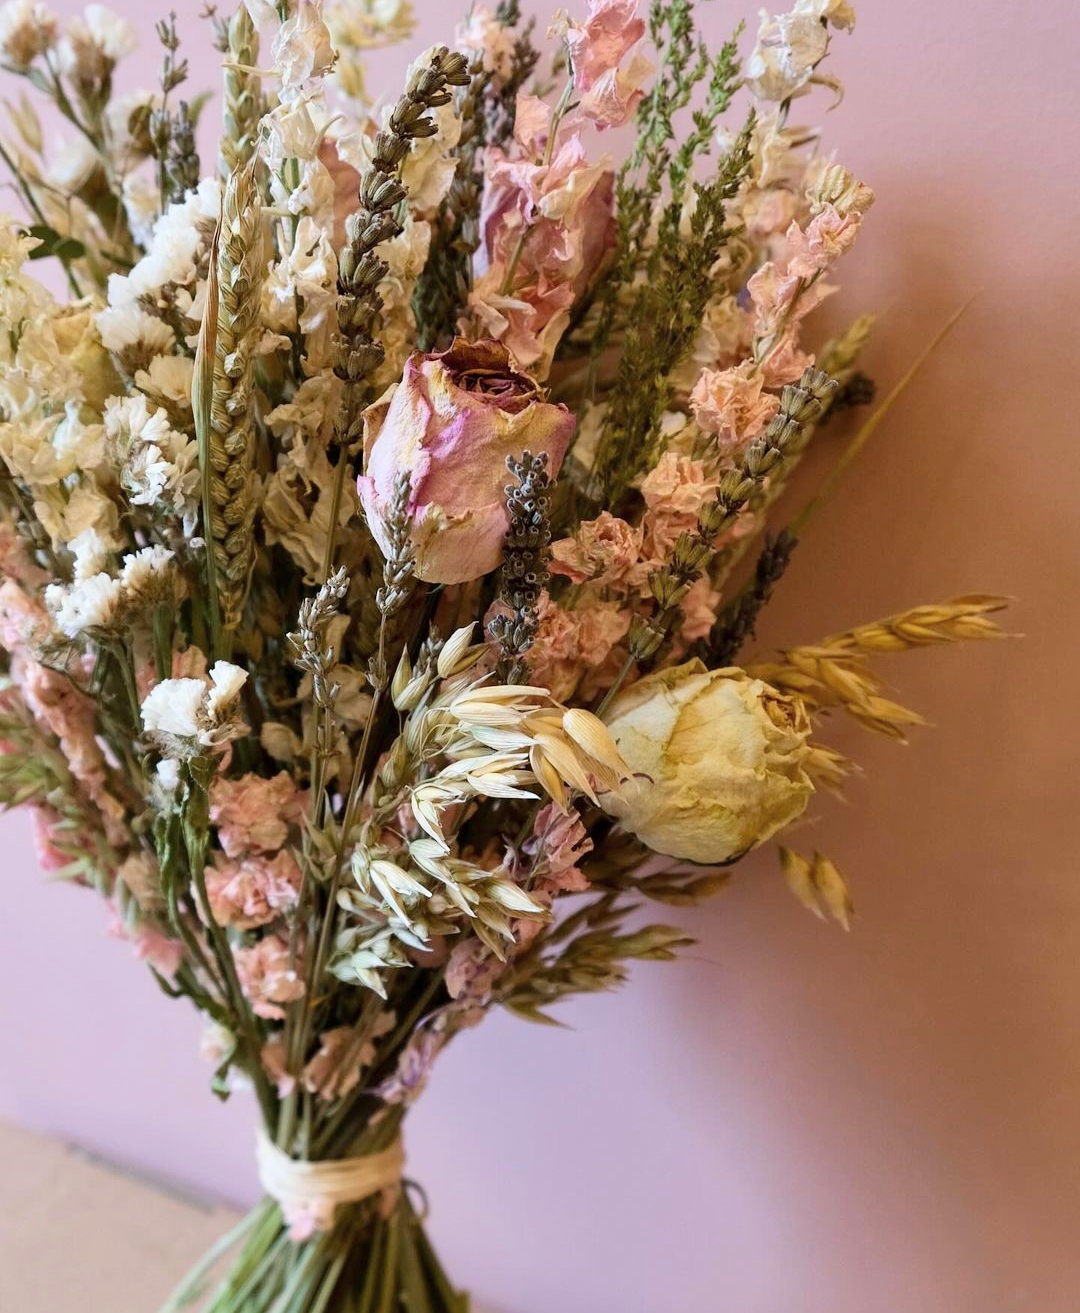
[718, 760]
[149, 576]
[71, 165]
[174, 707]
[92, 604]
[789, 48]
[91, 552]
[188, 717]
[302, 50]
[27, 29]
[132, 333]
[141, 205]
[93, 44]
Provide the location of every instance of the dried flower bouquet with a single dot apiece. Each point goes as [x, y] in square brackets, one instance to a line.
[370, 517]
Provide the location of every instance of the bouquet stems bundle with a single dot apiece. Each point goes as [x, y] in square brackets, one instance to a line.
[383, 520]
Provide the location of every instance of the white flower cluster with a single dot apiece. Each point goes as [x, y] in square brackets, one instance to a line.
[188, 717]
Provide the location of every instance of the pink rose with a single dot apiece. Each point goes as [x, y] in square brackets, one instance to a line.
[449, 425]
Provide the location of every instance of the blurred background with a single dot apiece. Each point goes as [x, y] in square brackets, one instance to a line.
[790, 1120]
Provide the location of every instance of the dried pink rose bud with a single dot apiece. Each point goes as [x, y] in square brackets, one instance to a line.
[450, 424]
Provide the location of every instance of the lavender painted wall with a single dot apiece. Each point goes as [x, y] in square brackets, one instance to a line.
[791, 1121]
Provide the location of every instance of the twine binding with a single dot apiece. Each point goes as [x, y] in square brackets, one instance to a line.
[309, 1193]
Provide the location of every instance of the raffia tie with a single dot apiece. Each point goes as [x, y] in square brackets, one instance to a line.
[309, 1193]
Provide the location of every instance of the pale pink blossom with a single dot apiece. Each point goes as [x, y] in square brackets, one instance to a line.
[532, 123]
[675, 490]
[768, 213]
[488, 40]
[268, 976]
[827, 237]
[730, 405]
[253, 890]
[450, 425]
[471, 972]
[15, 562]
[561, 840]
[572, 644]
[609, 92]
[604, 551]
[150, 944]
[153, 946]
[344, 1055]
[272, 1056]
[253, 814]
[545, 231]
[785, 362]
[614, 97]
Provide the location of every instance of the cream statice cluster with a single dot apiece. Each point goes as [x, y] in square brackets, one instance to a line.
[385, 513]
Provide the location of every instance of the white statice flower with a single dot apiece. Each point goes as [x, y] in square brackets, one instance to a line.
[91, 605]
[789, 48]
[180, 238]
[302, 50]
[175, 707]
[27, 29]
[158, 466]
[94, 44]
[133, 334]
[149, 577]
[167, 381]
[92, 554]
[188, 717]
[127, 119]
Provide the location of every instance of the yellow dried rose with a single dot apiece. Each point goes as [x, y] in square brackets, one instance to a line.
[718, 760]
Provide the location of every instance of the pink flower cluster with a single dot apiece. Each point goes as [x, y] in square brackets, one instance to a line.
[610, 89]
[268, 976]
[545, 225]
[253, 880]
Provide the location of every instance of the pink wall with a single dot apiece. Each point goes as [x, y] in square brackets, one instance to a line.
[792, 1121]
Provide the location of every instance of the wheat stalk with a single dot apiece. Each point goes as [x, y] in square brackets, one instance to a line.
[243, 95]
[835, 673]
[229, 503]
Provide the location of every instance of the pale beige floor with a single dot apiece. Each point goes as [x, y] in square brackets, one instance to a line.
[79, 1236]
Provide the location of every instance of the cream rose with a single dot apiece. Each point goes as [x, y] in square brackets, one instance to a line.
[718, 761]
